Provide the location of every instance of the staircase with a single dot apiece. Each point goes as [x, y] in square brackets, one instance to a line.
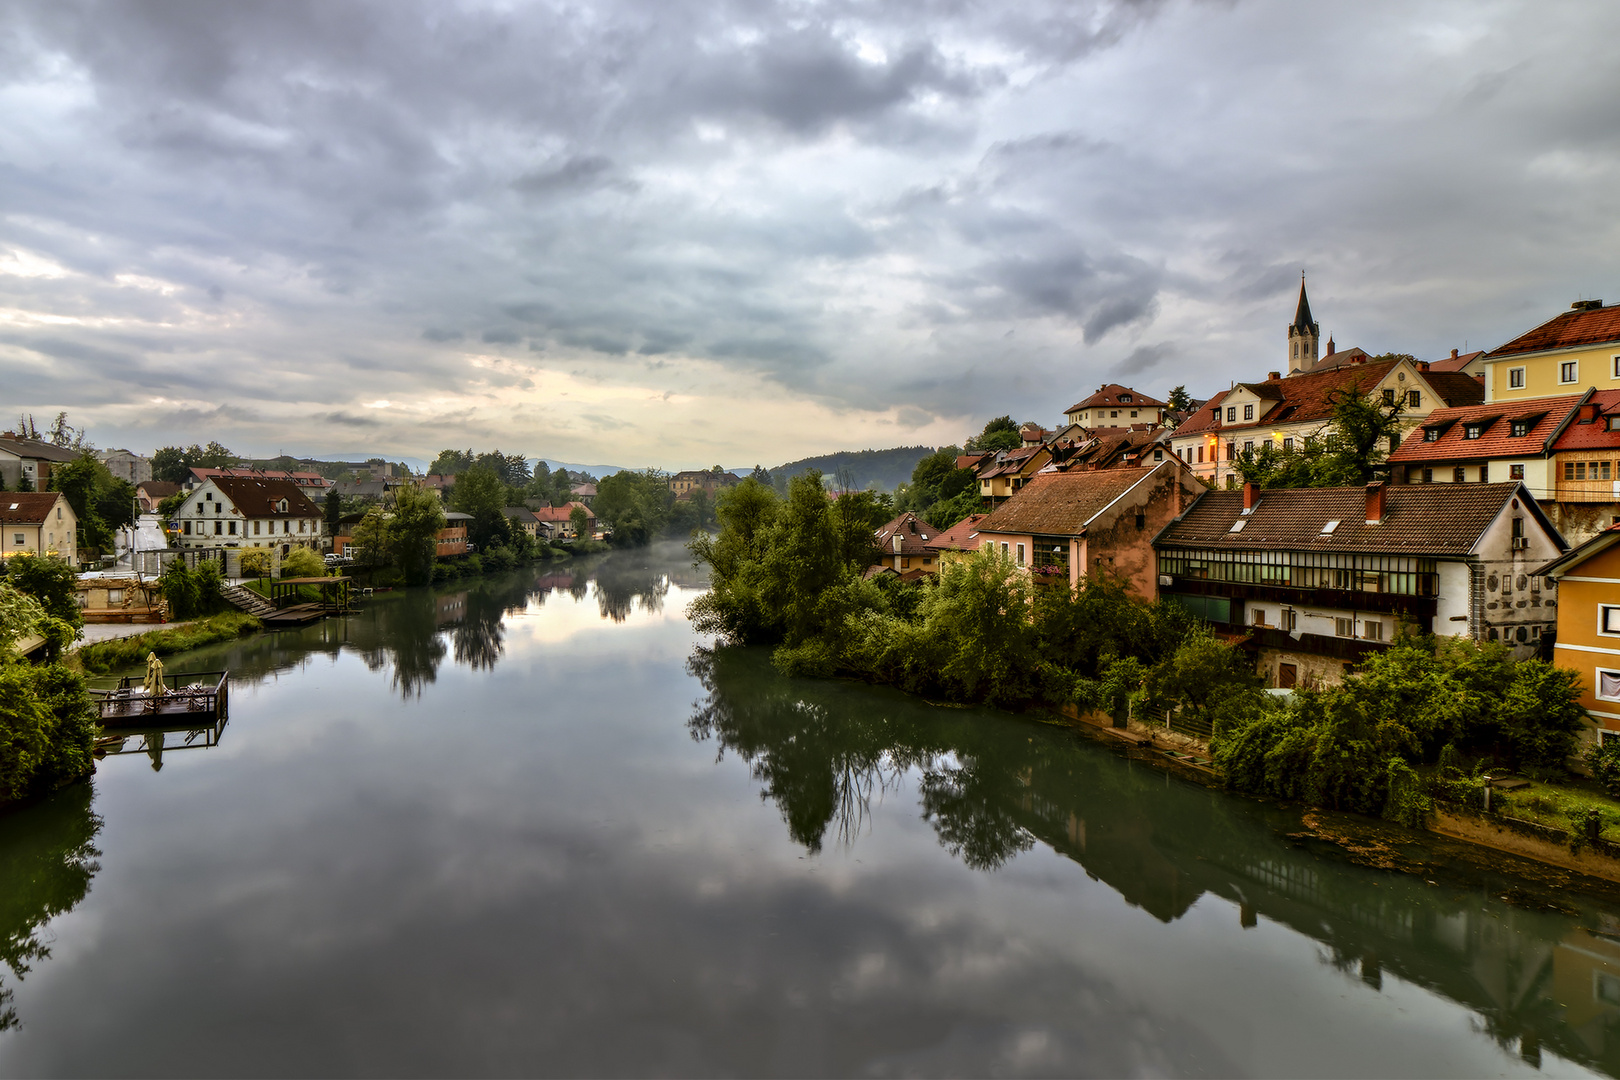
[248, 600]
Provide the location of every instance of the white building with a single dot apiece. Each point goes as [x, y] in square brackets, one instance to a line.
[248, 512]
[127, 465]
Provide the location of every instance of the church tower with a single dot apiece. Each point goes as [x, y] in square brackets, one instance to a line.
[1303, 335]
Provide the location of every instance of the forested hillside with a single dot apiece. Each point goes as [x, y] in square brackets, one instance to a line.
[884, 469]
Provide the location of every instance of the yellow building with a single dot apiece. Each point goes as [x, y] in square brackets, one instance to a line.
[38, 523]
[1565, 355]
[1588, 642]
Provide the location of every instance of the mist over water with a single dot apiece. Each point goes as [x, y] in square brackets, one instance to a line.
[532, 824]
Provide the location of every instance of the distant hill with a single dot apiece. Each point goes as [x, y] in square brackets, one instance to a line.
[882, 469]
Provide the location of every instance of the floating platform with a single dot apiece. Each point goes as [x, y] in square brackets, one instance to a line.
[200, 699]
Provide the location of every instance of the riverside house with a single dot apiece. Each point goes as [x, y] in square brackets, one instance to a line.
[903, 545]
[1588, 641]
[1310, 580]
[956, 542]
[1063, 526]
[38, 523]
[242, 511]
[556, 522]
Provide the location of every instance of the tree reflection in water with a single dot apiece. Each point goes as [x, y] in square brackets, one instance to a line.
[1539, 974]
[47, 858]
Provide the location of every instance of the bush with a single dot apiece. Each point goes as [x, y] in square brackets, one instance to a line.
[192, 592]
[47, 729]
[302, 562]
[105, 656]
[1604, 761]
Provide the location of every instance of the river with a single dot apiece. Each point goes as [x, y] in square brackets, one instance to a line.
[535, 825]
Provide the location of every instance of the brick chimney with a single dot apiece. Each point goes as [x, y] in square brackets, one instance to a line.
[1273, 376]
[1454, 354]
[1375, 502]
[1251, 495]
[1423, 365]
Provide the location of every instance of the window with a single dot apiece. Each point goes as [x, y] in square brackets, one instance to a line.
[1484, 474]
[233, 528]
[185, 528]
[1428, 476]
[1608, 684]
[1457, 475]
[1231, 415]
[1473, 431]
[219, 528]
[1515, 472]
[1372, 631]
[1200, 455]
[1004, 547]
[1609, 619]
[1431, 434]
[1248, 447]
[1231, 451]
[1113, 413]
[1389, 397]
[1258, 617]
[1344, 627]
[1414, 399]
[1518, 527]
[1520, 429]
[1569, 371]
[19, 538]
[1141, 520]
[1288, 444]
[1126, 399]
[256, 525]
[1133, 414]
[1020, 554]
[1516, 378]
[1289, 619]
[1569, 470]
[905, 564]
[1248, 412]
[115, 596]
[286, 526]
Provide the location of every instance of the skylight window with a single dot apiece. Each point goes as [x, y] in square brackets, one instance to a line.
[1237, 526]
[1327, 530]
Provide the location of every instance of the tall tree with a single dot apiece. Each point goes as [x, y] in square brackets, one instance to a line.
[333, 511]
[1179, 399]
[416, 521]
[999, 434]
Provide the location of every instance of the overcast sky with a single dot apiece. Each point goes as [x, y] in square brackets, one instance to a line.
[685, 232]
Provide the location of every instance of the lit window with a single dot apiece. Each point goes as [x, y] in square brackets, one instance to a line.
[1568, 371]
[1516, 378]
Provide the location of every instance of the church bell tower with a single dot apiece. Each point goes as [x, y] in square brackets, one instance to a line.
[1303, 335]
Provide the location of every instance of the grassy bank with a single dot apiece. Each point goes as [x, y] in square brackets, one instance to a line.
[105, 656]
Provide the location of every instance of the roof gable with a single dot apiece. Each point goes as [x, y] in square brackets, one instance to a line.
[1494, 436]
[28, 507]
[1572, 329]
[1063, 503]
[263, 498]
[1113, 395]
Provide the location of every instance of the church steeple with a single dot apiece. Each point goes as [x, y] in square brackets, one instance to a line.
[1303, 334]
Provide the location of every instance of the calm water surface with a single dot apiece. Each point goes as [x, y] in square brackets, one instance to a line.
[536, 826]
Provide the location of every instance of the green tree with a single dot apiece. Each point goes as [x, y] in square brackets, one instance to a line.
[333, 511]
[1179, 399]
[999, 434]
[302, 562]
[416, 521]
[49, 580]
[373, 539]
[100, 501]
[581, 522]
[634, 505]
[1349, 450]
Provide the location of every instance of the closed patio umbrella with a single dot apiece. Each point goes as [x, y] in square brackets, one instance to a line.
[154, 675]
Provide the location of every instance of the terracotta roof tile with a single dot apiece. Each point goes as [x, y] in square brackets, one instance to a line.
[1061, 504]
[26, 507]
[1495, 439]
[1205, 418]
[913, 532]
[1456, 363]
[1568, 330]
[1419, 519]
[1109, 396]
[562, 513]
[1595, 433]
[1455, 388]
[958, 536]
[257, 498]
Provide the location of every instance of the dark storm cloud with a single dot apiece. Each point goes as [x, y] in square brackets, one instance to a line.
[865, 206]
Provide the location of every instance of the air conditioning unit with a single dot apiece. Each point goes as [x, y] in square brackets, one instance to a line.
[1521, 543]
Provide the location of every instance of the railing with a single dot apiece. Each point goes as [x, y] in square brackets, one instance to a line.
[129, 702]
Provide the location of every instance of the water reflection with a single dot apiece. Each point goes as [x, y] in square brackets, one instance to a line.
[409, 633]
[155, 742]
[993, 786]
[47, 859]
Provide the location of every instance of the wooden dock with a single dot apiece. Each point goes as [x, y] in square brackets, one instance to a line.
[200, 699]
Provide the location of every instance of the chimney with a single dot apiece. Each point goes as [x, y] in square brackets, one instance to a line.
[1251, 496]
[1589, 412]
[1454, 354]
[897, 541]
[1423, 365]
[1331, 348]
[1273, 376]
[1375, 502]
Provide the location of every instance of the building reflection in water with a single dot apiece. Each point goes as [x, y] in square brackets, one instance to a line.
[47, 858]
[993, 786]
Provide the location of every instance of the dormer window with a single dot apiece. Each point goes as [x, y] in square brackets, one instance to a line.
[1473, 431]
[1431, 434]
[1125, 398]
[281, 506]
[1521, 428]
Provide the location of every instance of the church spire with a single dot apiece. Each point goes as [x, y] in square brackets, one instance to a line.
[1303, 334]
[1302, 313]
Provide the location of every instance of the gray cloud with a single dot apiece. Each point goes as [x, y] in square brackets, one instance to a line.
[944, 210]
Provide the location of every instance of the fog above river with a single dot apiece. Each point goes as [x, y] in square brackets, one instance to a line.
[532, 824]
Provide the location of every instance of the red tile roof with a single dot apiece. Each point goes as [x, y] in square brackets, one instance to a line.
[1419, 519]
[257, 497]
[1496, 438]
[1454, 387]
[913, 532]
[1568, 330]
[1594, 432]
[1456, 363]
[1062, 504]
[1109, 395]
[1205, 418]
[958, 537]
[26, 507]
[562, 513]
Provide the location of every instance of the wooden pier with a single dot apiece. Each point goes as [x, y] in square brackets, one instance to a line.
[200, 699]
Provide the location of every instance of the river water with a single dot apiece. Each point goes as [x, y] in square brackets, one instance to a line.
[535, 825]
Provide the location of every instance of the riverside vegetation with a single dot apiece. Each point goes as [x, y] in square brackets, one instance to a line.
[787, 573]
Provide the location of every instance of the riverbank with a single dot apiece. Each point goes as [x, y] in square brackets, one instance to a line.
[104, 656]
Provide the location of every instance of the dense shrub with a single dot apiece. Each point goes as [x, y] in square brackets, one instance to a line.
[302, 562]
[105, 656]
[191, 593]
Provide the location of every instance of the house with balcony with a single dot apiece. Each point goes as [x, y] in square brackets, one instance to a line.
[1312, 580]
[1569, 352]
[249, 512]
[1063, 526]
[1588, 638]
[1565, 449]
[38, 523]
